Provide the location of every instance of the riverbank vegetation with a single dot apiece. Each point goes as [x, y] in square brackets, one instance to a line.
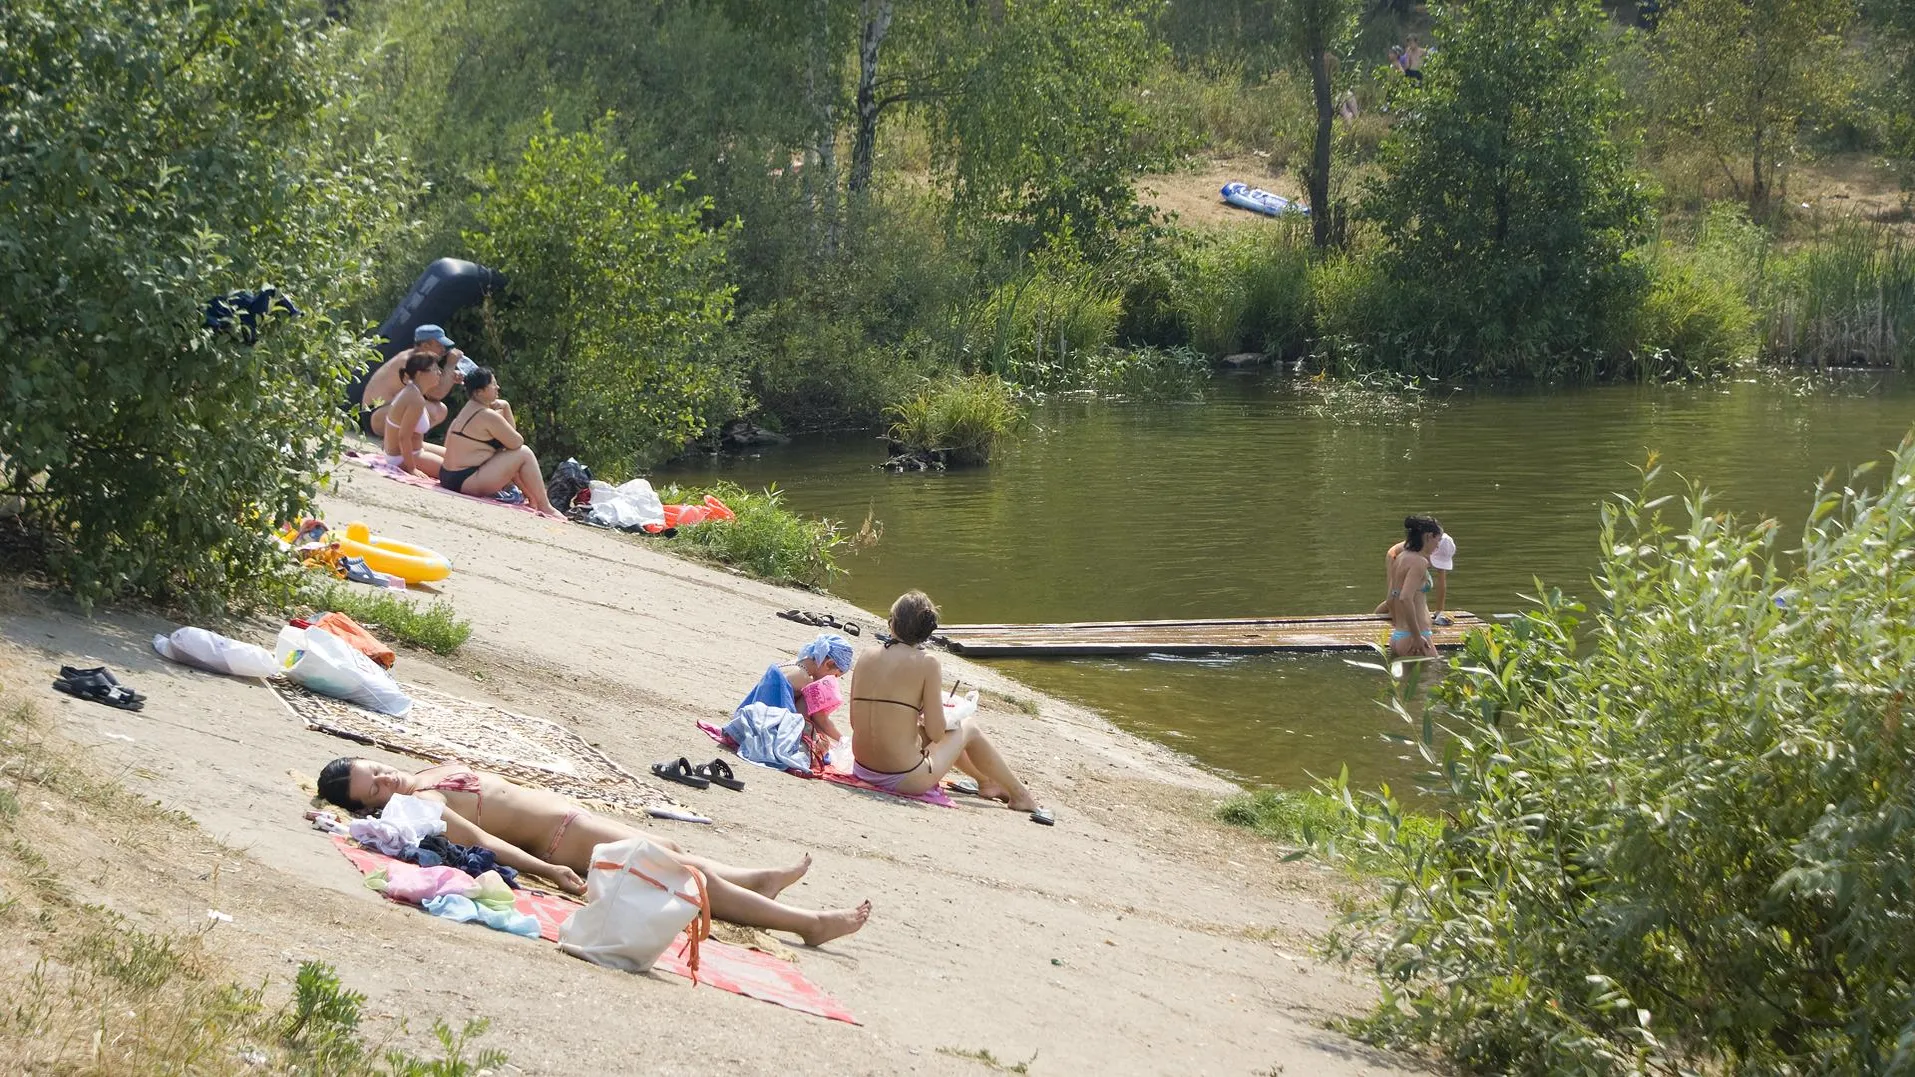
[802, 214]
[1676, 832]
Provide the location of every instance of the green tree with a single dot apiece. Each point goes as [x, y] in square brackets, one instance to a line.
[1507, 202]
[1318, 31]
[1738, 75]
[608, 338]
[1680, 839]
[152, 157]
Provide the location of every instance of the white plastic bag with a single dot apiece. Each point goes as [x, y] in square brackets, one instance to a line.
[958, 708]
[631, 505]
[330, 666]
[211, 651]
[638, 900]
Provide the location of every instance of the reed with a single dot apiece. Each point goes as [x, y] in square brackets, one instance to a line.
[1847, 300]
[961, 420]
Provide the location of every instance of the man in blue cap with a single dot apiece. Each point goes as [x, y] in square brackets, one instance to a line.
[385, 382]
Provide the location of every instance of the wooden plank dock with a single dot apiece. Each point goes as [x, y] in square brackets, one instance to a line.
[1247, 635]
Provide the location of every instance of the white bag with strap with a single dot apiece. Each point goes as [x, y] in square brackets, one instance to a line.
[638, 900]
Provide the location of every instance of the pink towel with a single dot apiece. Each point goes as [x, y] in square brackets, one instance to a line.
[378, 464]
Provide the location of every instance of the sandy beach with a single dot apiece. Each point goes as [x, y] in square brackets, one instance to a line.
[1137, 936]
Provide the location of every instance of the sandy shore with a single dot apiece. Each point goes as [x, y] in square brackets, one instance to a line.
[1134, 937]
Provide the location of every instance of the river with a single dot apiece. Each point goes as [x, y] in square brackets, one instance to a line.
[1261, 501]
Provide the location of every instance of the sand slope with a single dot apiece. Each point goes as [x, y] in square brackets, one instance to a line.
[1135, 937]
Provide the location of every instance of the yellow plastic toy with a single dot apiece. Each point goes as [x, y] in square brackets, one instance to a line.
[413, 564]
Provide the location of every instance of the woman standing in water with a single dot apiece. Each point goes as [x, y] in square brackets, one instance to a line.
[1410, 582]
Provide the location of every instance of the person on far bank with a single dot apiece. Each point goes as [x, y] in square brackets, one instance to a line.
[899, 742]
[386, 382]
[1411, 572]
[1442, 559]
[484, 451]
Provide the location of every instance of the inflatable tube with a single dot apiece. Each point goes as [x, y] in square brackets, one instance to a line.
[1258, 200]
[447, 287]
[413, 564]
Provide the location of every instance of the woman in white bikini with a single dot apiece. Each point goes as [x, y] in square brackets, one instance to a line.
[898, 739]
[512, 820]
[407, 420]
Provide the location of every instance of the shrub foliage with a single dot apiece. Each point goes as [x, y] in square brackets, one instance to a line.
[1682, 838]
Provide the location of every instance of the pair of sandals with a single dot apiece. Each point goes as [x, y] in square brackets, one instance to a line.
[100, 686]
[716, 772]
[821, 620]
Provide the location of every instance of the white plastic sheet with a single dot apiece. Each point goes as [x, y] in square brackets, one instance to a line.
[632, 505]
[211, 651]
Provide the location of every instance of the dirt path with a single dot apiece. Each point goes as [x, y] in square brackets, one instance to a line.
[1135, 937]
[1195, 197]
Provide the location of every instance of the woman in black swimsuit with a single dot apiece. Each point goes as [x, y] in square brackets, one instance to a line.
[898, 738]
[485, 452]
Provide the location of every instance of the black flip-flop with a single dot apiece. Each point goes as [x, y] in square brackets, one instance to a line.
[69, 673]
[95, 687]
[1044, 817]
[680, 771]
[718, 772]
[851, 627]
[801, 617]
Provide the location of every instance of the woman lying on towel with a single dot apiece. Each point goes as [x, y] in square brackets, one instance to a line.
[511, 820]
[898, 736]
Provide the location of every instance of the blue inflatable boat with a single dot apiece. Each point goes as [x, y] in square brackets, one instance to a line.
[1258, 200]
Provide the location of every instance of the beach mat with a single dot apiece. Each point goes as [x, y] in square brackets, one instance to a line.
[376, 463]
[934, 795]
[442, 728]
[728, 968]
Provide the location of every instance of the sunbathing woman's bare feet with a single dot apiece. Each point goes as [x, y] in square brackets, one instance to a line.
[987, 791]
[836, 924]
[775, 882]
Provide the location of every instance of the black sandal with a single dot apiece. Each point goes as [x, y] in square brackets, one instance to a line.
[680, 771]
[100, 689]
[718, 772]
[72, 673]
[801, 617]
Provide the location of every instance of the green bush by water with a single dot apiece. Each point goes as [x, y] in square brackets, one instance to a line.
[963, 418]
[766, 539]
[1847, 298]
[1680, 837]
[1246, 290]
[1300, 818]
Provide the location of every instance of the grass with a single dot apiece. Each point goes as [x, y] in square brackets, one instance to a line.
[960, 421]
[766, 539]
[432, 628]
[983, 1057]
[100, 995]
[1847, 298]
[1302, 819]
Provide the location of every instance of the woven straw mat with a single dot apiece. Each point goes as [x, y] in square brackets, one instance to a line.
[443, 729]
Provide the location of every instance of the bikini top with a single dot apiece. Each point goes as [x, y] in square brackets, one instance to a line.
[464, 781]
[496, 444]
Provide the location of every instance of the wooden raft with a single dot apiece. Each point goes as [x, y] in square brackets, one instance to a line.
[1246, 635]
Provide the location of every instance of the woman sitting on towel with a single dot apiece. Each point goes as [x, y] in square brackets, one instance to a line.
[492, 812]
[408, 418]
[484, 450]
[898, 736]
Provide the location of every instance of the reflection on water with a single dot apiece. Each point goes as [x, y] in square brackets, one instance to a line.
[1249, 505]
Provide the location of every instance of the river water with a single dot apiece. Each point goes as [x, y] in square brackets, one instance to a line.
[1263, 501]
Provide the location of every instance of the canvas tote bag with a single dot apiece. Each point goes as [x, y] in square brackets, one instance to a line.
[637, 900]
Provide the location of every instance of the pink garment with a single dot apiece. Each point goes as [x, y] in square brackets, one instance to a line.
[413, 884]
[822, 696]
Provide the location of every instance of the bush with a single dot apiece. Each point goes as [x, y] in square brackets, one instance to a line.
[1308, 817]
[1692, 322]
[766, 539]
[1246, 290]
[1150, 374]
[1847, 298]
[1682, 838]
[608, 338]
[961, 420]
[1040, 329]
[149, 165]
[435, 628]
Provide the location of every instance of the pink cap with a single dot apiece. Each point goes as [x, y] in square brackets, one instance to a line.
[822, 696]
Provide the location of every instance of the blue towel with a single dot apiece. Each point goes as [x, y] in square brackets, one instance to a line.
[773, 690]
[455, 907]
[770, 737]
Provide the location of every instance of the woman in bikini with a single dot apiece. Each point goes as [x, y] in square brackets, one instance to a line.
[408, 418]
[513, 820]
[484, 450]
[1410, 583]
[894, 745]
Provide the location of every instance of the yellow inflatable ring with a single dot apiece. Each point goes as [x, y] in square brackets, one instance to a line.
[413, 564]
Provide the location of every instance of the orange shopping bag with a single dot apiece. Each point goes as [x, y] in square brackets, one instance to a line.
[354, 633]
